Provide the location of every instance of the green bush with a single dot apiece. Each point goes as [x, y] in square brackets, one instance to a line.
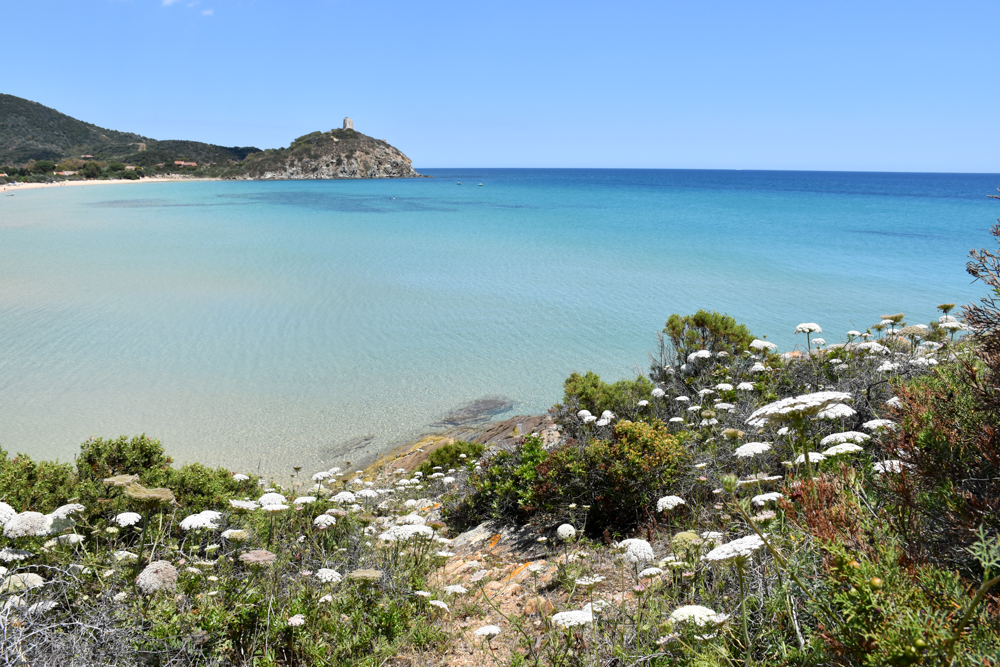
[100, 458]
[450, 456]
[39, 486]
[591, 393]
[706, 331]
[618, 479]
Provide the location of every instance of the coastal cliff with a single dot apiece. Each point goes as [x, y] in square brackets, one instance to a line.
[326, 155]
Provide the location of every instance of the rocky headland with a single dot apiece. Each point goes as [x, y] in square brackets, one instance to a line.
[342, 153]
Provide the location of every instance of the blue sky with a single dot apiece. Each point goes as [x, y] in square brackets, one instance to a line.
[887, 86]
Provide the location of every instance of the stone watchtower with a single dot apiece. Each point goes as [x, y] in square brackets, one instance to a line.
[348, 124]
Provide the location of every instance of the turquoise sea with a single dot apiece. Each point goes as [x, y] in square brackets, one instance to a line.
[261, 325]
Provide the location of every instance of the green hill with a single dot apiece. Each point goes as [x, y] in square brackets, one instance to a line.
[32, 131]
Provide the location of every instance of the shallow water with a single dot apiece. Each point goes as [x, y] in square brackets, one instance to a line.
[264, 325]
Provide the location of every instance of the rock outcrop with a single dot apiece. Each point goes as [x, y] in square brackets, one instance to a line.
[326, 155]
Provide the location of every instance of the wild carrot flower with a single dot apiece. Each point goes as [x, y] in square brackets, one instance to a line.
[271, 499]
[589, 582]
[643, 403]
[328, 576]
[751, 449]
[846, 436]
[128, 519]
[572, 619]
[765, 498]
[26, 524]
[159, 575]
[879, 425]
[487, 631]
[808, 327]
[240, 477]
[700, 616]
[745, 386]
[797, 407]
[658, 393]
[667, 503]
[6, 513]
[650, 572]
[258, 557]
[456, 589]
[203, 520]
[698, 356]
[758, 344]
[243, 504]
[636, 550]
[235, 535]
[297, 620]
[814, 457]
[305, 500]
[842, 448]
[737, 549]
[439, 605]
[566, 532]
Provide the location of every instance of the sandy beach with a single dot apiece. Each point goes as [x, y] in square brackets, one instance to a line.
[156, 179]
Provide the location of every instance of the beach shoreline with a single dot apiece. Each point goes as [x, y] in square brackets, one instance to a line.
[154, 179]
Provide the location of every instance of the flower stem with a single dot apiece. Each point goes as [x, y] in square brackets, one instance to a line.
[743, 612]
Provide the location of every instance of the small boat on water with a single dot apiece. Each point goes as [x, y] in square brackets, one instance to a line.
[480, 185]
[460, 182]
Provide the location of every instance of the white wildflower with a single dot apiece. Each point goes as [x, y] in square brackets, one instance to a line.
[240, 477]
[765, 498]
[589, 581]
[274, 508]
[158, 575]
[128, 519]
[602, 422]
[839, 411]
[26, 524]
[796, 407]
[758, 344]
[842, 448]
[439, 605]
[879, 425]
[271, 499]
[487, 631]
[847, 436]
[700, 616]
[814, 457]
[752, 449]
[636, 550]
[297, 620]
[808, 327]
[667, 503]
[344, 497]
[818, 342]
[328, 576]
[6, 513]
[682, 399]
[456, 589]
[658, 393]
[700, 354]
[745, 386]
[202, 520]
[571, 619]
[741, 548]
[643, 403]
[244, 504]
[650, 572]
[566, 532]
[235, 535]
[404, 533]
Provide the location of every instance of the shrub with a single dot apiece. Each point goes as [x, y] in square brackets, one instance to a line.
[591, 393]
[100, 458]
[706, 331]
[450, 456]
[619, 479]
[39, 486]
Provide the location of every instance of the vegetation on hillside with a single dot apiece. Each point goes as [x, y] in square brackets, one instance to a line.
[740, 507]
[33, 136]
[330, 153]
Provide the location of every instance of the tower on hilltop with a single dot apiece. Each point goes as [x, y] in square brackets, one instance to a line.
[348, 124]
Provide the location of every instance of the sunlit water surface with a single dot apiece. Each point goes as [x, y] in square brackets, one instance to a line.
[264, 325]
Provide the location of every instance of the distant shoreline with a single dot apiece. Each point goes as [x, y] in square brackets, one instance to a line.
[155, 179]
